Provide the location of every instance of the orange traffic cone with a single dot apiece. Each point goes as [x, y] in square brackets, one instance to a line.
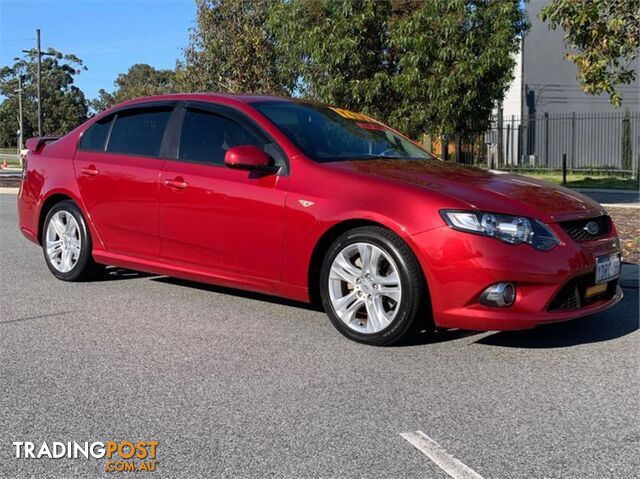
[5, 164]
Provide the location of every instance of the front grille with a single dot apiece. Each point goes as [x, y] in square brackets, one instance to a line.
[578, 229]
[572, 295]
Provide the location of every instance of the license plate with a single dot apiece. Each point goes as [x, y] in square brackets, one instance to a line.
[592, 291]
[607, 267]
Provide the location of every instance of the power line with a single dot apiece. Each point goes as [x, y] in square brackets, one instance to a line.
[12, 40]
[106, 46]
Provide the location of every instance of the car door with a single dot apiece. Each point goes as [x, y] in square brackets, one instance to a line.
[117, 167]
[219, 219]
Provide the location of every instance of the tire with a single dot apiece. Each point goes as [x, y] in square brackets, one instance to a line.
[370, 304]
[65, 231]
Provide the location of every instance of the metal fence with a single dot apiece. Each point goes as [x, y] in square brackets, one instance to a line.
[599, 142]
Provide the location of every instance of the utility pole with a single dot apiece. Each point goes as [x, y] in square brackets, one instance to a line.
[21, 134]
[38, 51]
[39, 83]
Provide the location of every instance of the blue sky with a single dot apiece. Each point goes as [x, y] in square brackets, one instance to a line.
[108, 35]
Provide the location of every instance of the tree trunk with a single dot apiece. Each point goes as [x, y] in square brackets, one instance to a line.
[444, 148]
[459, 149]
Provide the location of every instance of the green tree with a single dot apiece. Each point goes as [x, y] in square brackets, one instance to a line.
[604, 38]
[140, 80]
[423, 66]
[455, 61]
[339, 51]
[232, 50]
[63, 104]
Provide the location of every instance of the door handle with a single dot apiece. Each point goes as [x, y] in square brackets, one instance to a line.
[177, 183]
[90, 171]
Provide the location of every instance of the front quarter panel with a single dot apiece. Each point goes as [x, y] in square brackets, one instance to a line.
[320, 197]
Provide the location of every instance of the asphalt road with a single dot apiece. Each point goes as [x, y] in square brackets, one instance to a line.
[233, 384]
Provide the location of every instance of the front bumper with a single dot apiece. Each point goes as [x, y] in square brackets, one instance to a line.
[458, 266]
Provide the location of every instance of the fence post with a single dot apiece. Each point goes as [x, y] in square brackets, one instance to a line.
[638, 165]
[546, 138]
[508, 142]
[573, 140]
[626, 149]
[513, 140]
[444, 147]
[564, 169]
[520, 142]
[637, 154]
[500, 139]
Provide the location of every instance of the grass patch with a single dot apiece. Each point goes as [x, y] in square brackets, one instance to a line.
[584, 180]
[12, 164]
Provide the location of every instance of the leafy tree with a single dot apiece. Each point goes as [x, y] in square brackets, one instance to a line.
[604, 36]
[423, 66]
[339, 51]
[63, 104]
[140, 80]
[455, 61]
[232, 50]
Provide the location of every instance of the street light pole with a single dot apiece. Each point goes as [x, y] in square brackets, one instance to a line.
[39, 53]
[21, 135]
[19, 92]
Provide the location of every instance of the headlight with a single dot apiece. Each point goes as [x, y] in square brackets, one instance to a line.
[507, 228]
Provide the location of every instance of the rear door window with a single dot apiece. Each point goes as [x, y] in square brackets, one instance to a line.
[139, 132]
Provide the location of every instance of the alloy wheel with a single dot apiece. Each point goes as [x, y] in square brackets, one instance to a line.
[364, 287]
[63, 242]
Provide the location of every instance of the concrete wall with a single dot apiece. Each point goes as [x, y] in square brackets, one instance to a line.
[512, 103]
[550, 80]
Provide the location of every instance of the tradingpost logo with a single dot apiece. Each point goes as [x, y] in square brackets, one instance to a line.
[121, 456]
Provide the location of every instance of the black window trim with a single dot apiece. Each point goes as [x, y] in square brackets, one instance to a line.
[148, 105]
[112, 121]
[229, 113]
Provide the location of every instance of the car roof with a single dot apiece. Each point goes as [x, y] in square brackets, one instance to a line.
[243, 98]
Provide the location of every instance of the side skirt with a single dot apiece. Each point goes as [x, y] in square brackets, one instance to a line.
[265, 286]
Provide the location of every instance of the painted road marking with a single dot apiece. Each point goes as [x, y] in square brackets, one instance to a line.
[620, 205]
[440, 456]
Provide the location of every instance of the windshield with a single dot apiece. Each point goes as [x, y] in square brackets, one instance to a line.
[325, 133]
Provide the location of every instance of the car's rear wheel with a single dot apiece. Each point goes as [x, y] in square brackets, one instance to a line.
[372, 286]
[67, 243]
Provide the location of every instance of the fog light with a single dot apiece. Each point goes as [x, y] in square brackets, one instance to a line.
[500, 295]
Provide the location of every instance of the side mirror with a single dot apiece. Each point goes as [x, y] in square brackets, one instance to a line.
[248, 157]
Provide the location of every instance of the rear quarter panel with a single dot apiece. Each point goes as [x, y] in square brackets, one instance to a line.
[48, 173]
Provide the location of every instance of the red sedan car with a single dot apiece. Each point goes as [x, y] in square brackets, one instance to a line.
[311, 202]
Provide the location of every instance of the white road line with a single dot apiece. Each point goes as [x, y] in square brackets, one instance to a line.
[621, 205]
[440, 456]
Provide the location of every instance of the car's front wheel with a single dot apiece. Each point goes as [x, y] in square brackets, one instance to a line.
[67, 243]
[372, 286]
